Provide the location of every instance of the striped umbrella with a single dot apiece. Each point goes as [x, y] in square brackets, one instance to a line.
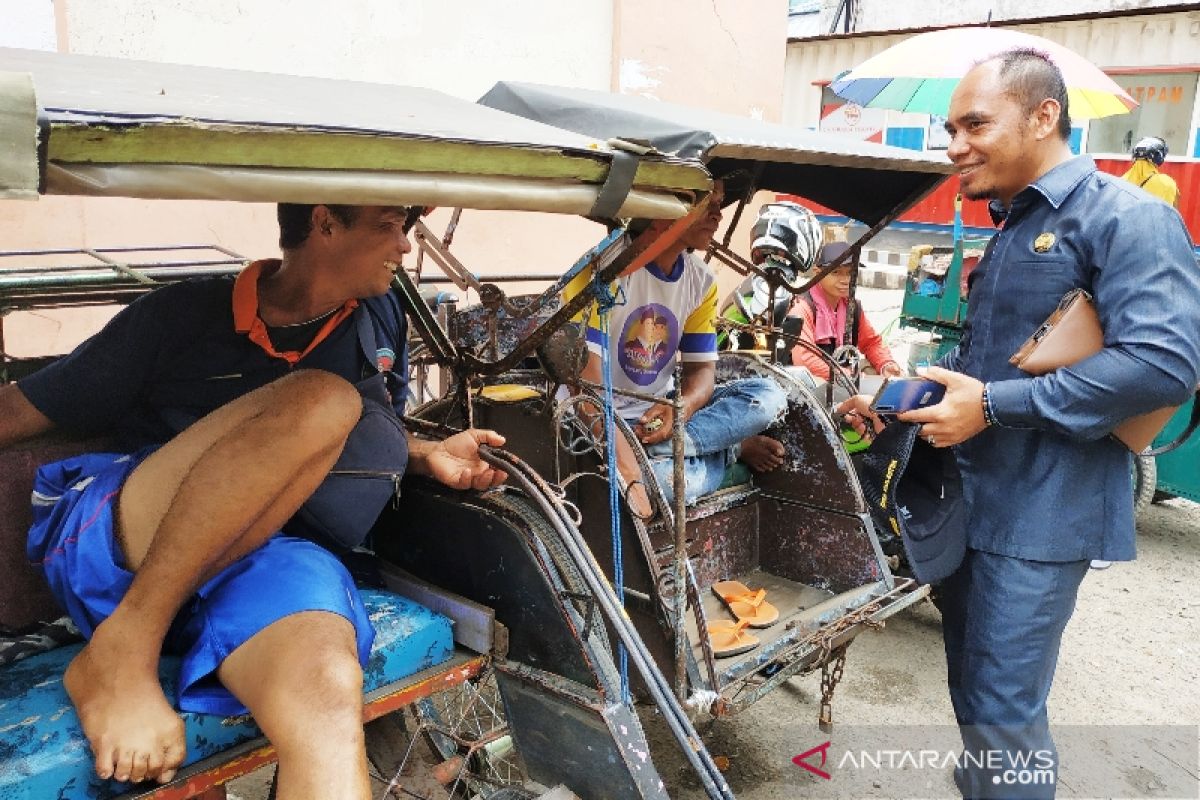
[920, 73]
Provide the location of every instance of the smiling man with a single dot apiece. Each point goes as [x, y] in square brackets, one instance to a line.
[1047, 488]
[231, 400]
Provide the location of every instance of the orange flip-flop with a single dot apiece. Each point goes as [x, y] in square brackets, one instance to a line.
[729, 638]
[746, 604]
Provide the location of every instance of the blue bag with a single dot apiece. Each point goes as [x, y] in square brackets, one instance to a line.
[344, 508]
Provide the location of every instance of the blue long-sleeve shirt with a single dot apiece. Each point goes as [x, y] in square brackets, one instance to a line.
[1048, 483]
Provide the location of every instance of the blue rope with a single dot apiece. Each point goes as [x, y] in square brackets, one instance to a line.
[606, 300]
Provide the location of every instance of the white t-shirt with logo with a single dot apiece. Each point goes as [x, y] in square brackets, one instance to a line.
[664, 315]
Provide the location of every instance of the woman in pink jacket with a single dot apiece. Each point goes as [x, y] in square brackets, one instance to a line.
[822, 312]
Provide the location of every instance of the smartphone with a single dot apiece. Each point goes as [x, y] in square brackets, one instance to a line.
[898, 395]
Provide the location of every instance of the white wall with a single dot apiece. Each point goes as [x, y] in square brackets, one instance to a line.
[457, 46]
[28, 24]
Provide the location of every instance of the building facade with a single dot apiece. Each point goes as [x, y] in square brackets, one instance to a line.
[1151, 49]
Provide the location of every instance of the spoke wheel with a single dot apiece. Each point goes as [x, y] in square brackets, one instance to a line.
[467, 729]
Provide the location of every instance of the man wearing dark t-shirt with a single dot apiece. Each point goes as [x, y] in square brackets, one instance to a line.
[233, 402]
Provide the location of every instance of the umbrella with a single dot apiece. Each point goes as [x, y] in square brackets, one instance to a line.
[920, 73]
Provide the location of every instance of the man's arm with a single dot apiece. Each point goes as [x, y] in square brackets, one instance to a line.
[19, 419]
[1147, 291]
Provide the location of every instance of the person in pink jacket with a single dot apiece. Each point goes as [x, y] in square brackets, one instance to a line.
[822, 312]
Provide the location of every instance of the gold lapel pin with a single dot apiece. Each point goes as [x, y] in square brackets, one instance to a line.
[1043, 242]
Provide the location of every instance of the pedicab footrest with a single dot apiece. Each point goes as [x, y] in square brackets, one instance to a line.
[43, 752]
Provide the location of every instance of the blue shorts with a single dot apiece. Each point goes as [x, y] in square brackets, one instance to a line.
[73, 542]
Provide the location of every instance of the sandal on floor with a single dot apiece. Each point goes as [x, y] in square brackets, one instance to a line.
[747, 605]
[729, 638]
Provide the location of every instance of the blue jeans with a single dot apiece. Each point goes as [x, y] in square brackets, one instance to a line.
[712, 437]
[1002, 620]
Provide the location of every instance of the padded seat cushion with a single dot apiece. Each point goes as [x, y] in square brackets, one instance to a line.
[44, 754]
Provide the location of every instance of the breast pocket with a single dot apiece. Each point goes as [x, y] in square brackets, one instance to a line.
[1037, 285]
[1031, 292]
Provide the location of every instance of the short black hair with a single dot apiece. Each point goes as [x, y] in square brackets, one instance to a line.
[1031, 77]
[295, 221]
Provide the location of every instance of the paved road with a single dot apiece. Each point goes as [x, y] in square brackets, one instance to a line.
[1131, 656]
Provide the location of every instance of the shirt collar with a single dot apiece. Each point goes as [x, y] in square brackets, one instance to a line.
[675, 274]
[245, 293]
[1055, 186]
[245, 312]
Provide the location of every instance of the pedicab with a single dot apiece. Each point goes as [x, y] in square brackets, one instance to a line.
[494, 653]
[802, 532]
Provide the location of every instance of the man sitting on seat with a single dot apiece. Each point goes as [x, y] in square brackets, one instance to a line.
[235, 399]
[668, 313]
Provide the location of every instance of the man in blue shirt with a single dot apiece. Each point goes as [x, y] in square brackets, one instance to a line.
[239, 397]
[1047, 489]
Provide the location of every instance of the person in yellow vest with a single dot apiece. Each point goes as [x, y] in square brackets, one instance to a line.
[1148, 155]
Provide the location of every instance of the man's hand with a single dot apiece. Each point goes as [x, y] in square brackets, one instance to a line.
[960, 414]
[891, 370]
[455, 461]
[656, 424]
[856, 412]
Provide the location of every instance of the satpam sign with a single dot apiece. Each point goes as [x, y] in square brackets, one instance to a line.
[851, 119]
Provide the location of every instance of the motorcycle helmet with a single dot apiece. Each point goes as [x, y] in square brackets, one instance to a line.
[786, 236]
[1151, 148]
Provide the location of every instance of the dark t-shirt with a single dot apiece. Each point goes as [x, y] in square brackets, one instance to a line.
[173, 356]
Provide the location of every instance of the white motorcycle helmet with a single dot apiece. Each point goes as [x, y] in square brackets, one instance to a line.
[786, 236]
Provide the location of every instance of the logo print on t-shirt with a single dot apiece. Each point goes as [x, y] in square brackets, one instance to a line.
[385, 359]
[648, 343]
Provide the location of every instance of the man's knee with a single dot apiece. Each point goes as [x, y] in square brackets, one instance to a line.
[323, 689]
[767, 396]
[319, 404]
[332, 678]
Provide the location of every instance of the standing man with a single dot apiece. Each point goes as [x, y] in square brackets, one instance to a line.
[233, 399]
[1047, 489]
[678, 293]
[1148, 155]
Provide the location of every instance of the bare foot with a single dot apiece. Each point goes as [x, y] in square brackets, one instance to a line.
[134, 733]
[762, 453]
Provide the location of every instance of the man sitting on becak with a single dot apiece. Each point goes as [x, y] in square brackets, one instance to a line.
[723, 423]
[234, 399]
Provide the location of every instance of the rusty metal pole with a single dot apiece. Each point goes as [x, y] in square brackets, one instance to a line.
[678, 482]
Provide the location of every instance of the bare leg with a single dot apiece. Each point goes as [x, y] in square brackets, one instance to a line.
[762, 453]
[214, 493]
[301, 680]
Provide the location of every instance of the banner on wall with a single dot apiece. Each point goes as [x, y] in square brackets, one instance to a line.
[851, 119]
